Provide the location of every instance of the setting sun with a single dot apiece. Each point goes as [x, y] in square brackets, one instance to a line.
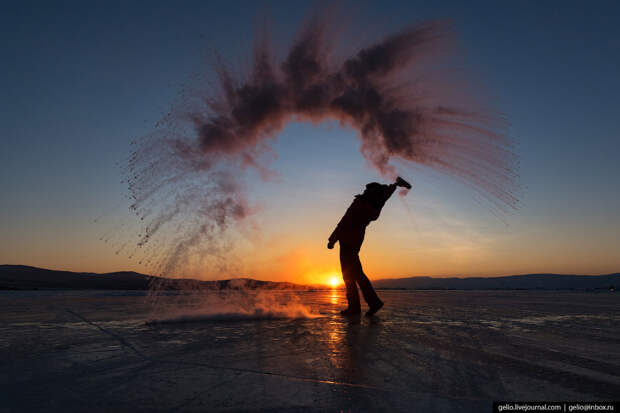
[334, 281]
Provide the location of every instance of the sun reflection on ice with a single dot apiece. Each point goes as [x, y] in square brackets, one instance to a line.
[334, 297]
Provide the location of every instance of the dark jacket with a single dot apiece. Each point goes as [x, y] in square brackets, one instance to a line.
[364, 209]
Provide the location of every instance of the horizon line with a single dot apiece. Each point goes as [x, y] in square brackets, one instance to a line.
[291, 282]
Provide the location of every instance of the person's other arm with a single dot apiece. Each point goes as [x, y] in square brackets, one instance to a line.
[335, 236]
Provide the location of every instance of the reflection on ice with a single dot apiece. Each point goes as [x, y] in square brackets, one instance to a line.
[335, 296]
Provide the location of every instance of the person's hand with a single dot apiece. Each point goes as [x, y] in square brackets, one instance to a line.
[330, 245]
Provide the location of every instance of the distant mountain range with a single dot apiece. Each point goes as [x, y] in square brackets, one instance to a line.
[21, 277]
[510, 282]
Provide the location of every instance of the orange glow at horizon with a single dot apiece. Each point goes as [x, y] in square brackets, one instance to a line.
[334, 280]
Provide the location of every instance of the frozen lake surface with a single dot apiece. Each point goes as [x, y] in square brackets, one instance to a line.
[442, 351]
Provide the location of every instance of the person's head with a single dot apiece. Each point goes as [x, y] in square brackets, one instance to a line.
[372, 189]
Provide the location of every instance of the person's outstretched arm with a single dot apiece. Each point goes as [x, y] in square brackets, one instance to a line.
[392, 187]
[389, 191]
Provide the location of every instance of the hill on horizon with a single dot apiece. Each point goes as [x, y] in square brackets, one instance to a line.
[508, 282]
[22, 277]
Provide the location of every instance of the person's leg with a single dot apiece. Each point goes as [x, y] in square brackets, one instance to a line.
[353, 297]
[370, 296]
[347, 264]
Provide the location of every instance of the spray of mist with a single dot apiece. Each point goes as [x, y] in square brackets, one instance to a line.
[232, 305]
[186, 179]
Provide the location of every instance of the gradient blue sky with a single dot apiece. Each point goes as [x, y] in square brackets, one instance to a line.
[82, 79]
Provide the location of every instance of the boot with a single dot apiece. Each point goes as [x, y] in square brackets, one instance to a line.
[373, 309]
[350, 311]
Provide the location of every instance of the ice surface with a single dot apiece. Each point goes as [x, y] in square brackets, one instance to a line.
[425, 351]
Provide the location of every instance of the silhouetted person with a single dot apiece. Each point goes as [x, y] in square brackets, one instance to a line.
[350, 233]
